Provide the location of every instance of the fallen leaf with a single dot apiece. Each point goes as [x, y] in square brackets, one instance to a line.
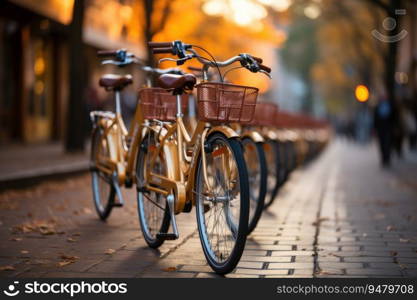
[15, 239]
[47, 231]
[68, 257]
[109, 251]
[71, 240]
[169, 269]
[65, 263]
[404, 240]
[44, 227]
[7, 268]
[402, 266]
[24, 252]
[390, 228]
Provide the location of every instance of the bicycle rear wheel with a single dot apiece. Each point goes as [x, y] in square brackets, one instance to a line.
[103, 190]
[222, 203]
[257, 173]
[153, 210]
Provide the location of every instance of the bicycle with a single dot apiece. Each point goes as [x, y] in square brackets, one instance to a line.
[254, 154]
[205, 169]
[113, 148]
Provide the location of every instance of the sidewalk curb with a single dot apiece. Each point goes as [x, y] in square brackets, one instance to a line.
[33, 177]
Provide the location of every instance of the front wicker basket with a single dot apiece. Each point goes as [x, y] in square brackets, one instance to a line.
[225, 103]
[160, 104]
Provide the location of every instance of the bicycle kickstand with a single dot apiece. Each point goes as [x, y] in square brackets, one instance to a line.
[166, 235]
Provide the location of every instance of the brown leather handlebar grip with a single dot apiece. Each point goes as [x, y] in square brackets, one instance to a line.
[162, 50]
[159, 44]
[107, 52]
[265, 68]
[258, 59]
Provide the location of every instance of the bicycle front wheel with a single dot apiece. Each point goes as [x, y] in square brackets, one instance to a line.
[222, 202]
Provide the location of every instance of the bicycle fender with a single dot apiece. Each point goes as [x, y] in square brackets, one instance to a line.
[227, 131]
[254, 136]
[271, 135]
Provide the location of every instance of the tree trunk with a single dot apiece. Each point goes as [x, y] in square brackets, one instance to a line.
[76, 118]
[148, 32]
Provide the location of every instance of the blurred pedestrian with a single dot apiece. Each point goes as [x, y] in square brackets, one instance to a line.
[410, 127]
[383, 122]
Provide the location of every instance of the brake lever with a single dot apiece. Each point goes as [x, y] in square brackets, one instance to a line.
[126, 62]
[110, 62]
[179, 61]
[167, 59]
[266, 73]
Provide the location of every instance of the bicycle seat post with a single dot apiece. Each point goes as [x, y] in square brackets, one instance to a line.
[179, 108]
[118, 102]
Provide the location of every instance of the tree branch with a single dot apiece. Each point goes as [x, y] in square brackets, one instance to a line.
[165, 14]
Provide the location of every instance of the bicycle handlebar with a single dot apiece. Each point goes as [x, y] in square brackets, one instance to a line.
[103, 53]
[167, 50]
[265, 68]
[159, 44]
[258, 59]
[178, 48]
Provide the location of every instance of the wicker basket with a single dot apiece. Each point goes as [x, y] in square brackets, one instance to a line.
[160, 104]
[221, 102]
[265, 114]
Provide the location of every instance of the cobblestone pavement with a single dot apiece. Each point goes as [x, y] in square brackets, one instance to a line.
[342, 215]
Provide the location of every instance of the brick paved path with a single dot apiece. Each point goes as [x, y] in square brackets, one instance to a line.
[339, 216]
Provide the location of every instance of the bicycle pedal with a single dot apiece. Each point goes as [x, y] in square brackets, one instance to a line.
[166, 236]
[117, 204]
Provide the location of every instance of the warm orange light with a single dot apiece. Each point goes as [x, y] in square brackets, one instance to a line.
[362, 93]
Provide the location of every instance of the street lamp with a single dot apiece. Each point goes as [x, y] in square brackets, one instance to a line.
[361, 93]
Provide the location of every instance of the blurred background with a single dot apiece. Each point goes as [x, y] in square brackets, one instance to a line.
[331, 59]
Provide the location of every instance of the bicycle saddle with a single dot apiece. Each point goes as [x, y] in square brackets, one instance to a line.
[115, 82]
[178, 83]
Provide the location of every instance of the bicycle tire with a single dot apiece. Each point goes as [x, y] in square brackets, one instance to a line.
[274, 172]
[103, 209]
[238, 231]
[257, 179]
[151, 239]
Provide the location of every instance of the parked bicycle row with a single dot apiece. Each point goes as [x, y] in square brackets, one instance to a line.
[197, 140]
